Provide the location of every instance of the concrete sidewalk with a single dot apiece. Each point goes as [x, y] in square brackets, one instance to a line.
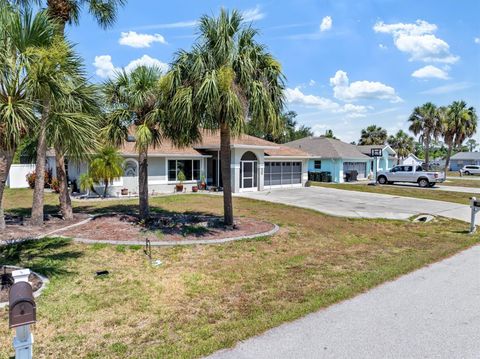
[361, 204]
[433, 312]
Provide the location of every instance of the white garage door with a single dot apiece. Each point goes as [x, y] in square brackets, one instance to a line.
[282, 173]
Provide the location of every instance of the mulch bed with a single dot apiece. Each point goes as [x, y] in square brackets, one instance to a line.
[19, 228]
[34, 280]
[169, 227]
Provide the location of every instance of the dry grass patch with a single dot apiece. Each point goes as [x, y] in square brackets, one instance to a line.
[204, 298]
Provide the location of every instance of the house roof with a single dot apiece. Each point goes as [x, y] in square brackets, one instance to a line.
[325, 147]
[414, 157]
[466, 156]
[211, 140]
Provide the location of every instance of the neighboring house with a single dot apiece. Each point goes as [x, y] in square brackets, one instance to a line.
[386, 161]
[256, 165]
[412, 160]
[461, 159]
[334, 156]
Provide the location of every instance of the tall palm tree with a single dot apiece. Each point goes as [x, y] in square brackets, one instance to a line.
[472, 144]
[65, 12]
[425, 122]
[373, 135]
[402, 143]
[133, 101]
[20, 34]
[72, 129]
[459, 123]
[226, 78]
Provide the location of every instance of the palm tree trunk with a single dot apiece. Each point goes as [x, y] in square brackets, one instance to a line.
[38, 192]
[6, 159]
[143, 184]
[225, 161]
[447, 159]
[64, 196]
[106, 187]
[427, 151]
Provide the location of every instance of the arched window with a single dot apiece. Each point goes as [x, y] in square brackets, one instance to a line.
[249, 156]
[130, 168]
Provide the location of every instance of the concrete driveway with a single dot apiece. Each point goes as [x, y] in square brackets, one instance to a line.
[359, 204]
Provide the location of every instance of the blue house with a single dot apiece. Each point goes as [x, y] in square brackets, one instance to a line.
[340, 159]
[461, 159]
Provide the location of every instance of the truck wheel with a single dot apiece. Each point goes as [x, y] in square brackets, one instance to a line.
[382, 179]
[423, 182]
[467, 173]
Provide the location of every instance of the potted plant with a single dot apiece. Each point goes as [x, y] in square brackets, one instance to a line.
[181, 178]
[194, 188]
[203, 183]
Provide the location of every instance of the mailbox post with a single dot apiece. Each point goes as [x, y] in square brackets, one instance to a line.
[22, 313]
[475, 206]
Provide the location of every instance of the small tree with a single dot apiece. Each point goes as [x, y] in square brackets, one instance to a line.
[402, 143]
[106, 166]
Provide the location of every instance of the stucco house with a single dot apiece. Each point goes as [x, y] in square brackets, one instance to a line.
[256, 164]
[460, 159]
[340, 158]
[412, 160]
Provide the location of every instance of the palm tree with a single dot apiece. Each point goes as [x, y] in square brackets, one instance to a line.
[106, 166]
[472, 144]
[65, 12]
[134, 104]
[20, 34]
[72, 129]
[226, 78]
[402, 143]
[459, 123]
[373, 135]
[425, 122]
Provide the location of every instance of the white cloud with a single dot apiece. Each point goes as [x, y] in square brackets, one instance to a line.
[440, 90]
[430, 71]
[172, 25]
[326, 24]
[134, 39]
[254, 14]
[296, 96]
[382, 46]
[104, 66]
[476, 40]
[146, 60]
[418, 40]
[344, 90]
[311, 83]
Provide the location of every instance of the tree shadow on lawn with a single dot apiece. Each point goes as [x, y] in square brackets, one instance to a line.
[47, 256]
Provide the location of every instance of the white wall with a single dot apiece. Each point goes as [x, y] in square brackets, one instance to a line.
[17, 175]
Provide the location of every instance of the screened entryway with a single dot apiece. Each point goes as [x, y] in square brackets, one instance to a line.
[249, 171]
[359, 167]
[283, 173]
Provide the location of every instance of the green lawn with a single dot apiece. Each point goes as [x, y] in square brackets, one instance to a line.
[457, 181]
[204, 298]
[405, 191]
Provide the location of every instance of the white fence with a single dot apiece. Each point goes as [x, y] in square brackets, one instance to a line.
[17, 177]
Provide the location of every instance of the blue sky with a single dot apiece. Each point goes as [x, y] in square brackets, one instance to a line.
[348, 64]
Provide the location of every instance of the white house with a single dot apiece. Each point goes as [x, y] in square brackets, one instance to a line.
[256, 164]
[412, 160]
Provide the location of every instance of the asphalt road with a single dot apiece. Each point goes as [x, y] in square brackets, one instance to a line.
[433, 312]
[360, 204]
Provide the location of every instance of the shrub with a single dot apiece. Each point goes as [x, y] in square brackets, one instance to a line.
[55, 185]
[31, 179]
[48, 179]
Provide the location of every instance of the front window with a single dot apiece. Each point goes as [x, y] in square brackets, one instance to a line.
[190, 168]
[317, 165]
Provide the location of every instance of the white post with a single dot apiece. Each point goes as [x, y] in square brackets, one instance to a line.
[23, 341]
[473, 227]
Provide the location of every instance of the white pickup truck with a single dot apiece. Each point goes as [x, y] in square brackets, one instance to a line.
[411, 174]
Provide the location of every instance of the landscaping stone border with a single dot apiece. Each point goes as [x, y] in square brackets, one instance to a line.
[39, 291]
[186, 242]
